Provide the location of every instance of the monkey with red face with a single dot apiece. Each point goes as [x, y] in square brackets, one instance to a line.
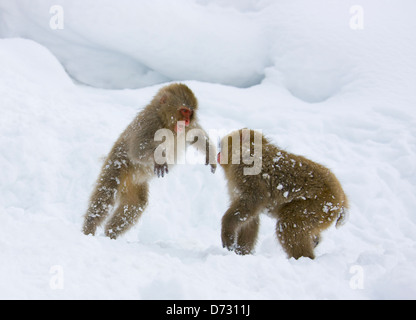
[131, 163]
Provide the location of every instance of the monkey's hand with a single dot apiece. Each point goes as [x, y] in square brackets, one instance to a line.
[210, 150]
[213, 165]
[161, 169]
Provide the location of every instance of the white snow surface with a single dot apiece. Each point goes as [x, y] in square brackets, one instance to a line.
[295, 69]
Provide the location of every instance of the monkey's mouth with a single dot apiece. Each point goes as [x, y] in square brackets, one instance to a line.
[186, 114]
[181, 125]
[185, 119]
[219, 158]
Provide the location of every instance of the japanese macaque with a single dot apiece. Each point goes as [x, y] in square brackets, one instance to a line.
[304, 196]
[138, 155]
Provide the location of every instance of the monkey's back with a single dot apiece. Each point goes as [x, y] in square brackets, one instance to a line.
[294, 176]
[291, 177]
[285, 177]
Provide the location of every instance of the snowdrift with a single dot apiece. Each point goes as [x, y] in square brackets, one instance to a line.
[342, 97]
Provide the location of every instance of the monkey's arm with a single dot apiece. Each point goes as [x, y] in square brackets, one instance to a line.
[210, 155]
[141, 146]
[206, 147]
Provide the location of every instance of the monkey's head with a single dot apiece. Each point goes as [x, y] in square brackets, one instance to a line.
[241, 147]
[176, 103]
[229, 148]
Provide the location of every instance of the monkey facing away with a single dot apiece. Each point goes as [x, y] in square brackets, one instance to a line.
[122, 185]
[304, 196]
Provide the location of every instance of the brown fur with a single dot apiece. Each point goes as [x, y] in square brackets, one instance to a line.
[130, 165]
[304, 197]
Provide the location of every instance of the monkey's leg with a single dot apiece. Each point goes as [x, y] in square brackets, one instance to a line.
[297, 241]
[247, 236]
[132, 203]
[101, 200]
[301, 222]
[295, 229]
[238, 218]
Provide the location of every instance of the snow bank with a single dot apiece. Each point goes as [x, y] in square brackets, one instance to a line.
[53, 133]
[307, 47]
[133, 44]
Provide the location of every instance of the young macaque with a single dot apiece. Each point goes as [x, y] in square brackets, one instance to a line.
[304, 196]
[138, 155]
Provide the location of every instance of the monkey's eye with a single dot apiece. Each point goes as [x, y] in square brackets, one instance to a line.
[186, 112]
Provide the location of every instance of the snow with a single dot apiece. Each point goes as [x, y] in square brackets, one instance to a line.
[296, 70]
[119, 44]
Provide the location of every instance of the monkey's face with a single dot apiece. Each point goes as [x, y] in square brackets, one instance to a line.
[185, 114]
[240, 148]
[178, 107]
[184, 117]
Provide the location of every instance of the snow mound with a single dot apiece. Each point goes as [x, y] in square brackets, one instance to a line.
[132, 44]
[309, 48]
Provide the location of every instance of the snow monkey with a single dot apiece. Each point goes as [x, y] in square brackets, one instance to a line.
[132, 162]
[304, 196]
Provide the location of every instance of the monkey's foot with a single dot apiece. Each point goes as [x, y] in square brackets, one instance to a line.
[89, 227]
[242, 250]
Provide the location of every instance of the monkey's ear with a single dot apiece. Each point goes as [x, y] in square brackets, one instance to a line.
[163, 99]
